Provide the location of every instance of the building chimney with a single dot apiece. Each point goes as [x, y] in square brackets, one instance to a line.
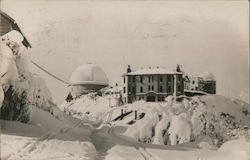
[128, 69]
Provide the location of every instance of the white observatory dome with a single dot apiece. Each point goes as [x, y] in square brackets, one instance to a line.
[88, 74]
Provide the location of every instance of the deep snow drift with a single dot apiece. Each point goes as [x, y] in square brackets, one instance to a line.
[213, 119]
[206, 121]
[231, 150]
[46, 137]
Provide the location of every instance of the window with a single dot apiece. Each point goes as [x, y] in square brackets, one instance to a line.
[133, 90]
[129, 89]
[149, 88]
[148, 78]
[160, 78]
[169, 78]
[141, 89]
[141, 79]
[179, 88]
[169, 89]
[193, 82]
[133, 78]
[152, 78]
[152, 88]
[161, 89]
[124, 89]
[129, 79]
[124, 80]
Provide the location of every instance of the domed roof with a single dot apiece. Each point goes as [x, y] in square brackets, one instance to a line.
[88, 74]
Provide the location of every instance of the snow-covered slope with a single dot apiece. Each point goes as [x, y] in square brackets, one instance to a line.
[90, 107]
[212, 118]
[46, 137]
[206, 121]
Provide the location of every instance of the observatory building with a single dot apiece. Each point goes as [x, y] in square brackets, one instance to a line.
[87, 78]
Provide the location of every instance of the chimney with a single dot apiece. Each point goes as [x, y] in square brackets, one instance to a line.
[128, 69]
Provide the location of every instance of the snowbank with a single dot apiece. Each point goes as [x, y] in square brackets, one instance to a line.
[212, 119]
[90, 107]
[123, 153]
[26, 148]
[231, 150]
[67, 138]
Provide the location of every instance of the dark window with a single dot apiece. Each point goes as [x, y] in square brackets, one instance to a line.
[148, 78]
[161, 89]
[152, 88]
[169, 88]
[160, 78]
[169, 78]
[129, 79]
[152, 78]
[133, 90]
[124, 80]
[134, 79]
[141, 89]
[141, 79]
[124, 89]
[129, 89]
[149, 88]
[179, 88]
[193, 82]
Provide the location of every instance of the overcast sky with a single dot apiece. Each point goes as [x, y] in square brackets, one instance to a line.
[202, 36]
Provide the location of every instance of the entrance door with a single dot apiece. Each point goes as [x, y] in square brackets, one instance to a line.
[150, 98]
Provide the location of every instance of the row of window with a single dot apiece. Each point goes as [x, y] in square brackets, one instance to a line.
[150, 79]
[150, 88]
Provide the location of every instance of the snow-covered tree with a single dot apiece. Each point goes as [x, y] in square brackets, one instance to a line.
[20, 88]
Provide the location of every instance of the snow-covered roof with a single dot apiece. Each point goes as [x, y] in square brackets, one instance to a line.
[208, 76]
[88, 74]
[14, 26]
[152, 70]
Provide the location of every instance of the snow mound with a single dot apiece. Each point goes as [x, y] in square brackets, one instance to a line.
[212, 118]
[90, 107]
[239, 146]
[231, 150]
[123, 153]
[26, 148]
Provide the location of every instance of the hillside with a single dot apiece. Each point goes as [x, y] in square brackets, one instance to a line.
[213, 119]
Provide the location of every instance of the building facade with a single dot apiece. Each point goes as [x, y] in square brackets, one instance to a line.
[151, 84]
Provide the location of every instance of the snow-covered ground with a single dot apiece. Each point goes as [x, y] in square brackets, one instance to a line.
[20, 147]
[46, 137]
[235, 149]
[206, 127]
[211, 118]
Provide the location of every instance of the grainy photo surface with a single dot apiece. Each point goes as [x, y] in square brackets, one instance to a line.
[124, 80]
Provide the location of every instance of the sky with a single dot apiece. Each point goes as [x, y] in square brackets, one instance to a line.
[201, 36]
